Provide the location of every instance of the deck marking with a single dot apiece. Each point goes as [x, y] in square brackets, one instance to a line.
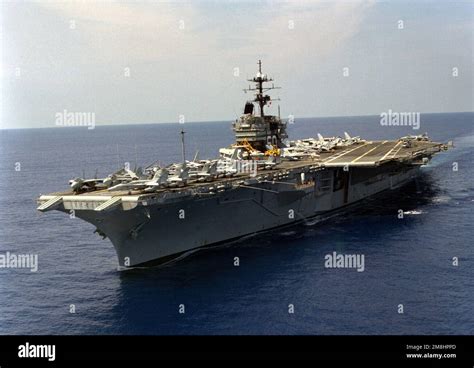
[366, 153]
[389, 152]
[398, 150]
[344, 153]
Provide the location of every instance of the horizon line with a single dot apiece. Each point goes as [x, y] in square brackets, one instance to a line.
[220, 121]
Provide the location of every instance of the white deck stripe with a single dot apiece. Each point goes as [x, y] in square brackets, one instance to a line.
[389, 152]
[344, 153]
[365, 154]
[398, 150]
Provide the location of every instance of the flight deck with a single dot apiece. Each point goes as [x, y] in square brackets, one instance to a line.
[363, 154]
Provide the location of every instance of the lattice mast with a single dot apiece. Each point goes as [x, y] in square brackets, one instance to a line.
[260, 98]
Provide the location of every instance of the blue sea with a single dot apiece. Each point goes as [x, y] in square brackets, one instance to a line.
[408, 261]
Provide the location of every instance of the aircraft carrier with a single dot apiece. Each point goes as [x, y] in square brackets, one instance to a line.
[261, 182]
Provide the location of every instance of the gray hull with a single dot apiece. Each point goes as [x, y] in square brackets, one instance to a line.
[159, 232]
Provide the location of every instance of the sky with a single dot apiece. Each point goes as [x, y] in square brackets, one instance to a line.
[152, 62]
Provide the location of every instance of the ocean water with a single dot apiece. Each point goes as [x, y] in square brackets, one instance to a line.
[408, 261]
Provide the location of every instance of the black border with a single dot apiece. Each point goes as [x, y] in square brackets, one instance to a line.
[344, 349]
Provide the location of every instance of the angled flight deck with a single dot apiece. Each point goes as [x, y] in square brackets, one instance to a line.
[378, 152]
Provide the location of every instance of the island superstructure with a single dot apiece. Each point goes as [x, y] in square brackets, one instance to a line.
[259, 183]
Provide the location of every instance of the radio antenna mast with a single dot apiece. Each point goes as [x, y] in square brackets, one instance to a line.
[182, 146]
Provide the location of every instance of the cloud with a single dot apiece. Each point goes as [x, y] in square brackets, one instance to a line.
[151, 31]
[137, 32]
[312, 30]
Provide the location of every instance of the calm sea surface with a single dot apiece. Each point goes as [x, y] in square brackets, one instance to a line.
[407, 261]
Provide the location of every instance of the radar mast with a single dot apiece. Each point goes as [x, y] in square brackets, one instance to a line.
[260, 98]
